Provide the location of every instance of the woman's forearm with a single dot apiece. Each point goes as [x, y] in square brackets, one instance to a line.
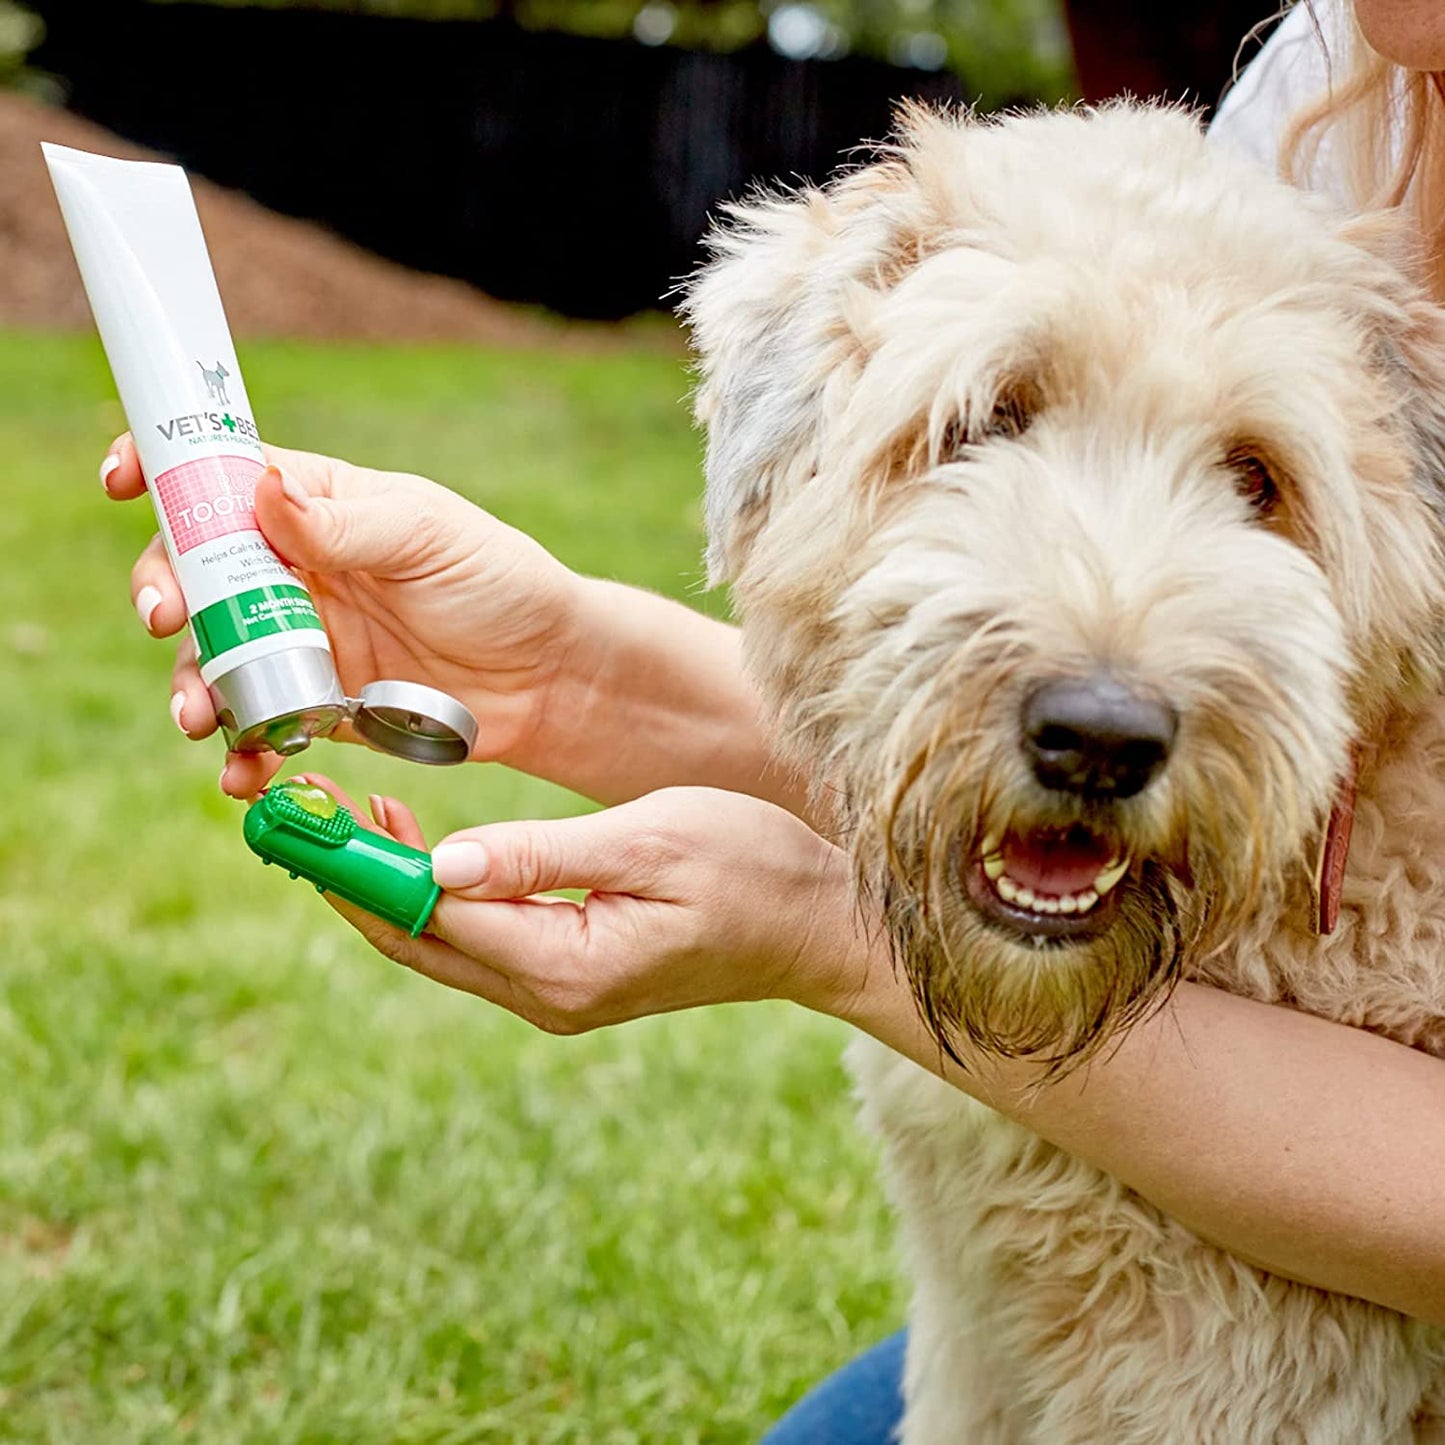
[657, 698]
[1313, 1150]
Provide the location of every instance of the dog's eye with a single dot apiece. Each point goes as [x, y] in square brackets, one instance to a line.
[1253, 479]
[954, 441]
[1010, 416]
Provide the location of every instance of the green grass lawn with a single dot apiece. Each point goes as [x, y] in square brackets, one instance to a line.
[257, 1183]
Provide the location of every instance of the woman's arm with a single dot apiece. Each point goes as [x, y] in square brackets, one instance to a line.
[653, 697]
[1313, 1150]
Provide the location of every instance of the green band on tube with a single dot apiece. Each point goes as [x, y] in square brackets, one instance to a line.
[249, 615]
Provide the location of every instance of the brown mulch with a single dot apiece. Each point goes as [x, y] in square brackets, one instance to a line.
[278, 276]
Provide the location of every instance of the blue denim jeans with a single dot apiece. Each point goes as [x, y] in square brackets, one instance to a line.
[860, 1405]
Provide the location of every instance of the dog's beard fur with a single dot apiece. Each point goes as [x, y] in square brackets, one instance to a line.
[1057, 1003]
[1053, 1000]
[962, 444]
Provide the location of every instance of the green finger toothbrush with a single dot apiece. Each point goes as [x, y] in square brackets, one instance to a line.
[309, 833]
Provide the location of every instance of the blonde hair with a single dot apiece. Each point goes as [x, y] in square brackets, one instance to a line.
[1386, 130]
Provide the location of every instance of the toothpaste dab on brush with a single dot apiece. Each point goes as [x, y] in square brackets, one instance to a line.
[263, 649]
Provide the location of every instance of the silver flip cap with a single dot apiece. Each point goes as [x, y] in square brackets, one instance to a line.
[281, 702]
[412, 721]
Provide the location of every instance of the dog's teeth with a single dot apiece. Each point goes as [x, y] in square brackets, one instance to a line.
[991, 844]
[1045, 904]
[1111, 875]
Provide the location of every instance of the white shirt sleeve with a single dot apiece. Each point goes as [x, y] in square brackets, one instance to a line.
[1292, 69]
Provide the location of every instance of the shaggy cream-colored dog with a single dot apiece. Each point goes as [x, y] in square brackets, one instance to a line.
[1081, 492]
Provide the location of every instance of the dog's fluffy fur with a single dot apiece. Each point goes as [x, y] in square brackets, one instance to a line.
[1035, 398]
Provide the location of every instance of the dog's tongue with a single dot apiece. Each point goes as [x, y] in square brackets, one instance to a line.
[1054, 862]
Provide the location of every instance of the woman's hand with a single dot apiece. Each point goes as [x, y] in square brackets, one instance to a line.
[606, 689]
[695, 896]
[411, 580]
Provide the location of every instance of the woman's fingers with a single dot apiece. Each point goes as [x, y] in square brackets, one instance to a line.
[387, 530]
[622, 848]
[544, 960]
[656, 932]
[439, 961]
[398, 820]
[154, 592]
[191, 707]
[120, 473]
[532, 957]
[510, 934]
[573, 967]
[245, 774]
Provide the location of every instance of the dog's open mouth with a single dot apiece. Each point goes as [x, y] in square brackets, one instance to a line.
[1048, 882]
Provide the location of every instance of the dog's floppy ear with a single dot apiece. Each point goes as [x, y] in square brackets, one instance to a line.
[1402, 618]
[768, 322]
[1409, 332]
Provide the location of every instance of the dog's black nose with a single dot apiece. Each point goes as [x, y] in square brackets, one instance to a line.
[1094, 736]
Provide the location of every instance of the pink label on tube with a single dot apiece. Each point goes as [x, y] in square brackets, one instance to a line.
[208, 498]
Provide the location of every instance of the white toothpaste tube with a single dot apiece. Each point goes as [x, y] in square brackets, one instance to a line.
[262, 647]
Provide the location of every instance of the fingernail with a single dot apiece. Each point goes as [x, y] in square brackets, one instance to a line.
[178, 706]
[378, 808]
[107, 467]
[293, 491]
[146, 602]
[459, 865]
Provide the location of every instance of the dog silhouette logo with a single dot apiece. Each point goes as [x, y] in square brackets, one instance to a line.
[216, 382]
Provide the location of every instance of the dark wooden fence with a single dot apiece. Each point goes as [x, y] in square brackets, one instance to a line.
[1145, 47]
[547, 168]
